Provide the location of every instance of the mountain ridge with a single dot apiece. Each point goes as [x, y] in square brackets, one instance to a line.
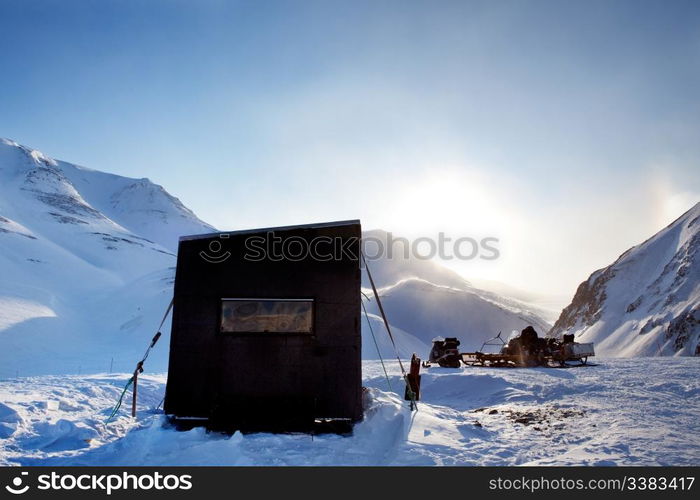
[647, 302]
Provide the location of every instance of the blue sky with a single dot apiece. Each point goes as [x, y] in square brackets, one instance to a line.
[569, 130]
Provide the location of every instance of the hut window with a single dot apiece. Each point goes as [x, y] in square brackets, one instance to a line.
[266, 315]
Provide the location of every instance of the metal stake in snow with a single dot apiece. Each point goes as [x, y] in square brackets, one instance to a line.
[139, 369]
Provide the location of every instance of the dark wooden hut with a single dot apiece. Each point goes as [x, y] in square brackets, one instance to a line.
[266, 328]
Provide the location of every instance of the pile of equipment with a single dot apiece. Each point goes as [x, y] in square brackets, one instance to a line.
[525, 349]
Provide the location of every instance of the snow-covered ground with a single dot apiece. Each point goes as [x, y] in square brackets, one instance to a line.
[640, 411]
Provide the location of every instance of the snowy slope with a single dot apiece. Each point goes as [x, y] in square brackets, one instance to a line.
[547, 306]
[135, 206]
[406, 343]
[426, 310]
[77, 250]
[467, 416]
[423, 300]
[647, 302]
[138, 205]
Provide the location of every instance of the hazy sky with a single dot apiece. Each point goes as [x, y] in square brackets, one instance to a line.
[569, 130]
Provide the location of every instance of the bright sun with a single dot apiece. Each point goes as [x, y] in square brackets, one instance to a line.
[455, 203]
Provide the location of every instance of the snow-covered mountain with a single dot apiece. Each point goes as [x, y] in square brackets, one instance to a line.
[426, 310]
[545, 305]
[86, 263]
[424, 300]
[76, 195]
[87, 266]
[647, 302]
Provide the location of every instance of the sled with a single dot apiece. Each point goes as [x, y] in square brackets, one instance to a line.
[531, 351]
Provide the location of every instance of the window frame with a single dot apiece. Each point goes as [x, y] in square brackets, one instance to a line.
[222, 300]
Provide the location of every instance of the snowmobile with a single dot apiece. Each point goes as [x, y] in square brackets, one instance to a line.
[445, 352]
[528, 350]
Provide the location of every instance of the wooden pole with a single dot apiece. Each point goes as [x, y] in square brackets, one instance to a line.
[133, 400]
[413, 379]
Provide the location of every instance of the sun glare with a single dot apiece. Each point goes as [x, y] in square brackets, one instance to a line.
[454, 203]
